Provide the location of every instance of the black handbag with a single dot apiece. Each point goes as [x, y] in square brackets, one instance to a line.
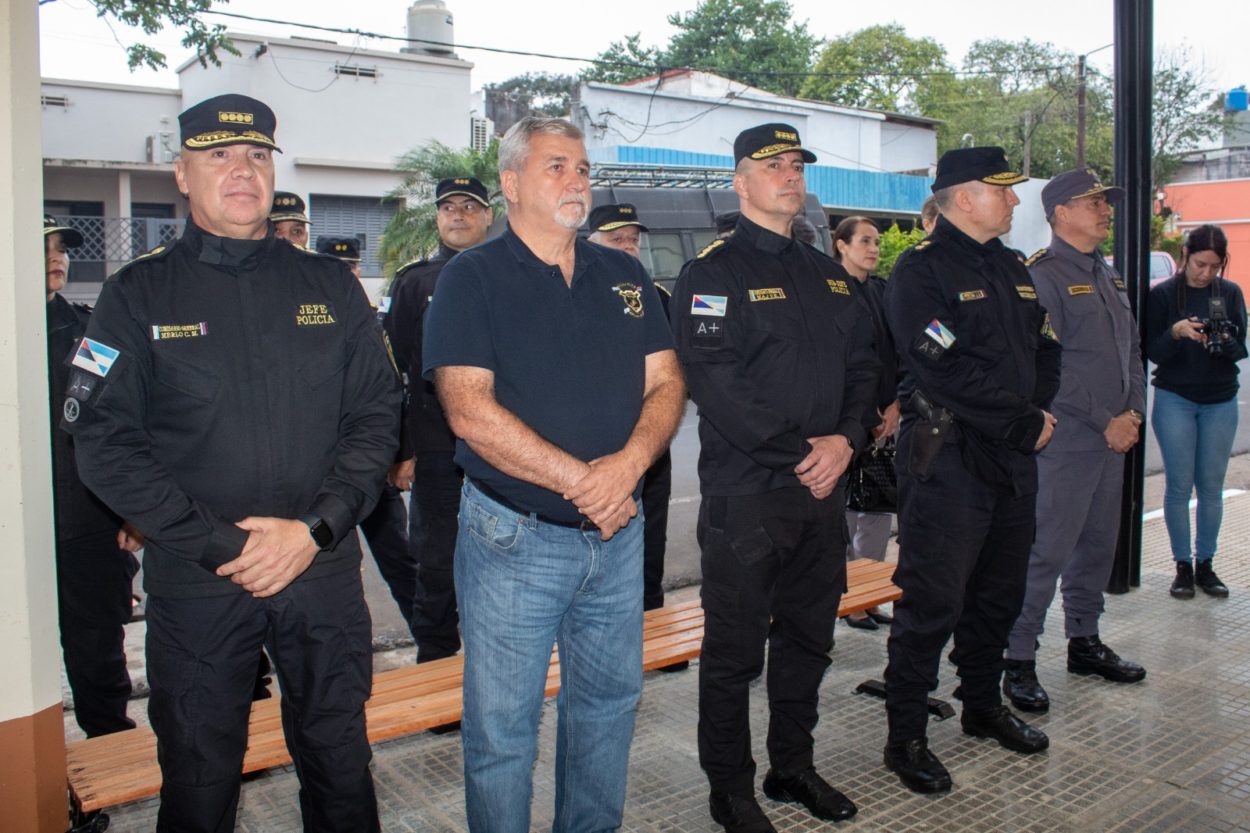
[872, 485]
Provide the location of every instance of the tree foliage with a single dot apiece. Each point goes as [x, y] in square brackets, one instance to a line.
[878, 67]
[1187, 111]
[895, 241]
[152, 15]
[754, 42]
[540, 93]
[412, 232]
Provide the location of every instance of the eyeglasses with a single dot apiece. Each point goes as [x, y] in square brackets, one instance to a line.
[469, 207]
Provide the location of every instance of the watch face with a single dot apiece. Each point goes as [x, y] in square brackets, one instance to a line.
[321, 533]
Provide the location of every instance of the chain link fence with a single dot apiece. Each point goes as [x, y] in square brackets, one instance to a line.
[112, 241]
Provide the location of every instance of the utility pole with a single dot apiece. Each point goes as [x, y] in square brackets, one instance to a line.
[1080, 111]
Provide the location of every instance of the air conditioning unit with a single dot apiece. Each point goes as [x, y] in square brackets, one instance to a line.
[160, 147]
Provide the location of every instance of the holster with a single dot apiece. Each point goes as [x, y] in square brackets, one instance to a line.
[928, 435]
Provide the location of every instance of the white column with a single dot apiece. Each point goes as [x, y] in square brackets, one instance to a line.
[123, 214]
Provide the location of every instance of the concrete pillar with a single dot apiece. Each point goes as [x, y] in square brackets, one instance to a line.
[122, 232]
[32, 737]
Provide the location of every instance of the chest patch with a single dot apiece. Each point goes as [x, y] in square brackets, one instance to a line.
[709, 305]
[972, 295]
[164, 332]
[315, 315]
[1026, 292]
[1081, 289]
[631, 294]
[773, 294]
[838, 286]
[707, 335]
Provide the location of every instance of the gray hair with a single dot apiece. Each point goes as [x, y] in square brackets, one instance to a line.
[515, 146]
[944, 196]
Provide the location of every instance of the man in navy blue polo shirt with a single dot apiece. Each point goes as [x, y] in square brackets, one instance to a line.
[555, 366]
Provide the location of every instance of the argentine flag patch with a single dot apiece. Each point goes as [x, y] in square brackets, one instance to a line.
[94, 357]
[709, 305]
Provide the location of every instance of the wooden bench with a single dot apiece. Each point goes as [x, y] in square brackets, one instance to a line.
[118, 768]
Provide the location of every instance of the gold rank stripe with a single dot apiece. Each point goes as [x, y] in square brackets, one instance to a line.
[1081, 289]
[1026, 292]
[770, 294]
[972, 295]
[838, 286]
[1119, 284]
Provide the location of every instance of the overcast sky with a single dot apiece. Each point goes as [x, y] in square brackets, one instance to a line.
[75, 44]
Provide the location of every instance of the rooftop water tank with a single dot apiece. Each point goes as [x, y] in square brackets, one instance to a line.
[429, 20]
[1236, 100]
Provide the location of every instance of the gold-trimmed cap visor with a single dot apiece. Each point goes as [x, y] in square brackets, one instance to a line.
[218, 138]
[768, 140]
[980, 164]
[229, 119]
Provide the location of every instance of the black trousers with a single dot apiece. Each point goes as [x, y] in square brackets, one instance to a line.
[963, 561]
[94, 583]
[432, 527]
[386, 530]
[657, 486]
[774, 569]
[202, 667]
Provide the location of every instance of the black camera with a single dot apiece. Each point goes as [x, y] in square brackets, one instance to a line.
[1221, 333]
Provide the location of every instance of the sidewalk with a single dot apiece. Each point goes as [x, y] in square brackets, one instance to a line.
[1169, 754]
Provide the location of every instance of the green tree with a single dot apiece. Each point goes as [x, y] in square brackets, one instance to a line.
[541, 93]
[878, 67]
[895, 241]
[1187, 111]
[412, 232]
[754, 42]
[152, 15]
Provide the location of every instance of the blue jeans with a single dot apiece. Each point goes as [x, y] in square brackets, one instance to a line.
[523, 585]
[1196, 441]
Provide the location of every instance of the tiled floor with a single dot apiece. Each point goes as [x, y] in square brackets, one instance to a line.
[1169, 754]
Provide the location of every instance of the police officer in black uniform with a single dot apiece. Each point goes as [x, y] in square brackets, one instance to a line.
[93, 571]
[233, 399]
[776, 344]
[980, 365]
[616, 225]
[290, 218]
[464, 217]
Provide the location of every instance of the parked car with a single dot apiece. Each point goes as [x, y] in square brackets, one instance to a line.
[1162, 267]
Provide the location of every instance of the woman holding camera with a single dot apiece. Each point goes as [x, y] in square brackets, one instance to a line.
[1196, 333]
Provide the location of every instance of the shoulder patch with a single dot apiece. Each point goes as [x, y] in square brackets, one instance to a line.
[1035, 257]
[710, 247]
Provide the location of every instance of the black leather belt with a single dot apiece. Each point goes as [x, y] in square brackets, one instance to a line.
[584, 524]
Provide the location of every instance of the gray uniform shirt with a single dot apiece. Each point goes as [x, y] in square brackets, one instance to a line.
[1102, 373]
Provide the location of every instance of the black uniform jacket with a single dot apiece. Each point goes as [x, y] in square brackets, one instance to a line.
[250, 378]
[776, 343]
[79, 513]
[972, 336]
[411, 292]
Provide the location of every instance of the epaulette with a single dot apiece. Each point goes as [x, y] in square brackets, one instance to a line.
[1035, 257]
[155, 254]
[87, 308]
[421, 261]
[663, 290]
[923, 244]
[716, 244]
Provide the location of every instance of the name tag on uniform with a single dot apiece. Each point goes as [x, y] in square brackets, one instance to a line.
[838, 286]
[973, 295]
[1081, 289]
[163, 332]
[771, 294]
[1026, 292]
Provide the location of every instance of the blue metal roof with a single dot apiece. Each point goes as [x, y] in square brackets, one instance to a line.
[836, 187]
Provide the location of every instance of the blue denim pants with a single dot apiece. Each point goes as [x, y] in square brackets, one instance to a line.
[1195, 441]
[523, 585]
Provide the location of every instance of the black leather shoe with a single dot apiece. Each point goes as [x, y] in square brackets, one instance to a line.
[1183, 584]
[1208, 581]
[1022, 688]
[917, 767]
[739, 813]
[880, 618]
[865, 624]
[812, 791]
[675, 667]
[1087, 655]
[1001, 725]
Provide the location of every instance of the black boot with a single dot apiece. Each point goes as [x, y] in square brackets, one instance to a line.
[1183, 584]
[1022, 688]
[1087, 655]
[917, 767]
[1208, 580]
[1001, 725]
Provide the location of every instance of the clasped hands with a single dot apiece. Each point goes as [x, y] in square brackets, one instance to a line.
[605, 492]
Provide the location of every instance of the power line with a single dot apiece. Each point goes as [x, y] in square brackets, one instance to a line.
[653, 68]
